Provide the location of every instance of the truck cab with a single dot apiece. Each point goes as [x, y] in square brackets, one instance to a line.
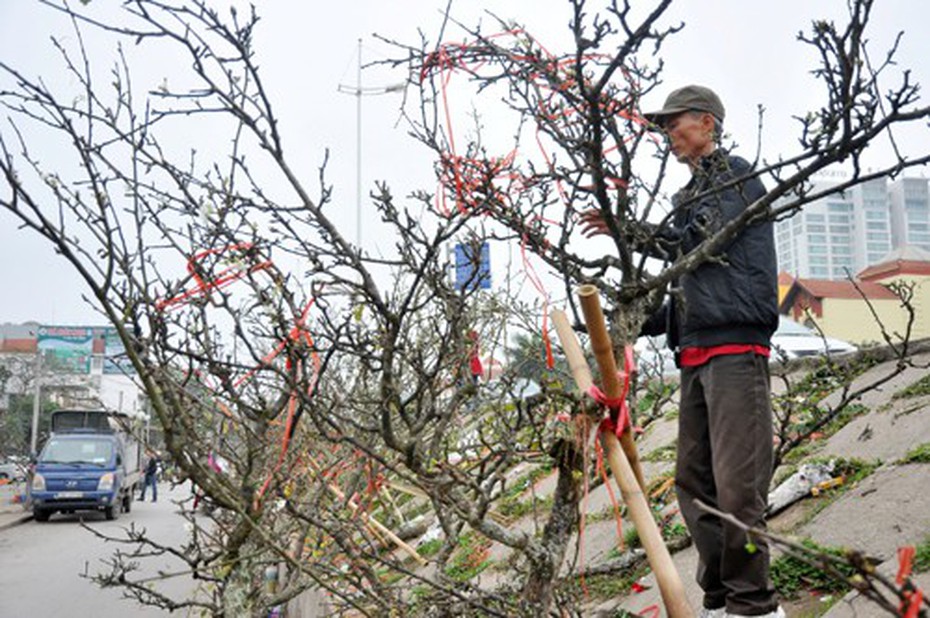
[89, 463]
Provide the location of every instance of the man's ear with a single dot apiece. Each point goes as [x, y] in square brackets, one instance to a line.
[707, 121]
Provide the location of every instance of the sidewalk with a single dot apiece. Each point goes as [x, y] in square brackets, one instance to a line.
[12, 513]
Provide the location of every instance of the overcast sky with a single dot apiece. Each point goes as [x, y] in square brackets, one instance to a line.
[747, 51]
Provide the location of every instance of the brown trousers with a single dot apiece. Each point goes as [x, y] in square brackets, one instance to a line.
[725, 460]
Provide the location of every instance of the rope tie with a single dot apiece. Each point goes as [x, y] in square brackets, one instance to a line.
[618, 418]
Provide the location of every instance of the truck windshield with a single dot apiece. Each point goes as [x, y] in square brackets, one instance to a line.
[85, 450]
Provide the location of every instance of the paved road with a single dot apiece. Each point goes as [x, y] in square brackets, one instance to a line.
[41, 563]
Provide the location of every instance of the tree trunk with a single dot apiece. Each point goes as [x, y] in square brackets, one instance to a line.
[544, 564]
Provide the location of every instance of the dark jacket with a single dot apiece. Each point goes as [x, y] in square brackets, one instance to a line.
[151, 467]
[732, 298]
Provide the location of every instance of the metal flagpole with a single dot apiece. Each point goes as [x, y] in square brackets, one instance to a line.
[358, 90]
[358, 148]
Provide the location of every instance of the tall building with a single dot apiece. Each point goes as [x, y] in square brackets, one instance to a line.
[841, 234]
[910, 213]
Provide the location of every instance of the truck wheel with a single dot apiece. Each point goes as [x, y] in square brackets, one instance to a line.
[41, 514]
[110, 512]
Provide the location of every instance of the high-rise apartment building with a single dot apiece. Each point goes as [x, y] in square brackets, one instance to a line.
[910, 212]
[846, 232]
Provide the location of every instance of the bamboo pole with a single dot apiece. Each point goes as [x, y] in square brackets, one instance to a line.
[603, 350]
[377, 527]
[660, 561]
[373, 524]
[385, 494]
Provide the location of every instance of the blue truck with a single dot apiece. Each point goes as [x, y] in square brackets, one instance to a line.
[90, 462]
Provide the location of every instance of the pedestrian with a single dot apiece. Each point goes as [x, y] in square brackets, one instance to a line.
[151, 476]
[718, 324]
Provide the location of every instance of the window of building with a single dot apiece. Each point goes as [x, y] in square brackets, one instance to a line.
[817, 228]
[842, 250]
[872, 215]
[820, 260]
[817, 249]
[839, 240]
[819, 271]
[839, 207]
[881, 247]
[816, 238]
[876, 225]
[839, 218]
[876, 236]
[839, 229]
[815, 218]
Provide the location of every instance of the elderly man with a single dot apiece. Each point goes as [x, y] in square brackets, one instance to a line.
[719, 325]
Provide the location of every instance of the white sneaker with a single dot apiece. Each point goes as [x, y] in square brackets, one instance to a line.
[719, 612]
[778, 613]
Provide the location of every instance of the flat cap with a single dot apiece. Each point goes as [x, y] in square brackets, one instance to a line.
[689, 98]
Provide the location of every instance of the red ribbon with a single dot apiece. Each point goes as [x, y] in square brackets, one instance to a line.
[618, 419]
[905, 563]
[216, 280]
[913, 597]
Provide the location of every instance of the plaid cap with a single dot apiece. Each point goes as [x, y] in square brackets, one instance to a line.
[688, 98]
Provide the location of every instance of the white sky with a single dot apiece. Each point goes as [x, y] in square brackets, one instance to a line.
[747, 51]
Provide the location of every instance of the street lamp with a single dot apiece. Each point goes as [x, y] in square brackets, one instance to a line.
[358, 91]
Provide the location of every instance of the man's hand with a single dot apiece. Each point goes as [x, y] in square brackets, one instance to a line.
[593, 223]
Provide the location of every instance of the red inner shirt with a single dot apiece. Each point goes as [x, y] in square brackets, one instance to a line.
[695, 357]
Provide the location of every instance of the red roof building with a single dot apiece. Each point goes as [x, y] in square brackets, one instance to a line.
[809, 294]
[847, 309]
[901, 262]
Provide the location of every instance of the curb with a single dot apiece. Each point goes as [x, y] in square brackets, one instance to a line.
[26, 516]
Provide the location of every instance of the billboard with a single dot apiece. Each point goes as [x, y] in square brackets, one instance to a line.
[72, 349]
[473, 266]
[115, 360]
[67, 349]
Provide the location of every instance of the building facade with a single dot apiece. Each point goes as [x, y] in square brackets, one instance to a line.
[841, 234]
[868, 310]
[81, 376]
[910, 213]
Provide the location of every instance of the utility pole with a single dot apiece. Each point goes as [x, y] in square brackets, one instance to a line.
[358, 91]
[36, 403]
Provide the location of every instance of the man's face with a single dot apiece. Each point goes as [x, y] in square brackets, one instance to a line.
[690, 135]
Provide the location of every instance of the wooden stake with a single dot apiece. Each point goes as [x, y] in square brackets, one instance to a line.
[670, 586]
[373, 524]
[603, 350]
